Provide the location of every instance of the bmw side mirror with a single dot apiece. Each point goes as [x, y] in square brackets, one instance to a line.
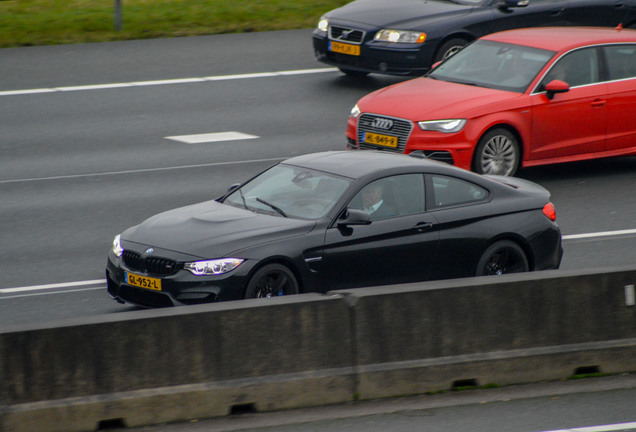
[232, 188]
[556, 86]
[354, 217]
[229, 190]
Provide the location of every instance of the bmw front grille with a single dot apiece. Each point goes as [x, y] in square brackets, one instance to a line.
[154, 265]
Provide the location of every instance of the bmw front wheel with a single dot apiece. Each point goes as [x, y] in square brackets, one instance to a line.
[272, 280]
[497, 153]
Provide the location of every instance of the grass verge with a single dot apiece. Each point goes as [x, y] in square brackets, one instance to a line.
[52, 22]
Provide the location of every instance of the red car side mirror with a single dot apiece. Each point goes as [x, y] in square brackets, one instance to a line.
[556, 86]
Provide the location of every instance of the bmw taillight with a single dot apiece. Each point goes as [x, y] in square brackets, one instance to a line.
[549, 211]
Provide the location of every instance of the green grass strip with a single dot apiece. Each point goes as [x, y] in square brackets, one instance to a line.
[52, 22]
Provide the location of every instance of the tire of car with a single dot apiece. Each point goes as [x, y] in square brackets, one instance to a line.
[503, 256]
[497, 153]
[353, 73]
[449, 48]
[272, 280]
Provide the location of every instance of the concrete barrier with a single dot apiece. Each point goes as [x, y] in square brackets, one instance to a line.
[154, 366]
[146, 367]
[510, 329]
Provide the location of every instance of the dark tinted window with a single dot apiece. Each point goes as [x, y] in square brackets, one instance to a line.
[621, 61]
[453, 191]
[399, 195]
[577, 68]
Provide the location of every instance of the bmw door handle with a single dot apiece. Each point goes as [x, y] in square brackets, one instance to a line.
[423, 226]
[598, 103]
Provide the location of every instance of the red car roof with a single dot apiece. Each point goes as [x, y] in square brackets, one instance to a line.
[563, 38]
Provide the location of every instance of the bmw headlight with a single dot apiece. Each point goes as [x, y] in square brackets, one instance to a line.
[355, 111]
[213, 267]
[446, 126]
[323, 25]
[117, 249]
[404, 36]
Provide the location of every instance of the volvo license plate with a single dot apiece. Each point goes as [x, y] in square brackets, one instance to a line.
[343, 48]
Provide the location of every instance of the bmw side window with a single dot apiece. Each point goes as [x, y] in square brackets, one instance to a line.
[388, 197]
[577, 68]
[621, 61]
[449, 191]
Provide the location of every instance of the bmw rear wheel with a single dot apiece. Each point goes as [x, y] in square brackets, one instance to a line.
[497, 153]
[503, 256]
[272, 280]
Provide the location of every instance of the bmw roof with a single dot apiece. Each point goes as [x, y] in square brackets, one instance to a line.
[356, 164]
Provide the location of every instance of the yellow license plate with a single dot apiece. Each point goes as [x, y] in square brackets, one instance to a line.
[383, 140]
[343, 48]
[143, 282]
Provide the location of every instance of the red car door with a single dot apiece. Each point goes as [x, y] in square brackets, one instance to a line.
[621, 105]
[574, 123]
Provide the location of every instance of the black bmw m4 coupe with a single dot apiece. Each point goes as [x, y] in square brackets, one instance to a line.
[336, 220]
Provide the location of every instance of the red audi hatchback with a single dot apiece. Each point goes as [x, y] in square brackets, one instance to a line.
[512, 99]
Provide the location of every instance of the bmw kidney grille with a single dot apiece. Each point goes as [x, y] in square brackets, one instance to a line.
[154, 265]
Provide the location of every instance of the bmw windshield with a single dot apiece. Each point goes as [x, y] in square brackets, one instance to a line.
[290, 191]
[494, 65]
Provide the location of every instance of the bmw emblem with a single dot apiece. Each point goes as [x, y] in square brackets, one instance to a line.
[149, 251]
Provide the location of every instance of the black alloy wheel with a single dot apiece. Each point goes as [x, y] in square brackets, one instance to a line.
[502, 257]
[272, 280]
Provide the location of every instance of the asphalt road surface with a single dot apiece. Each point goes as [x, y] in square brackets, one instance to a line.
[89, 145]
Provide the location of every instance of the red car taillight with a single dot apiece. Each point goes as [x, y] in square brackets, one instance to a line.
[549, 211]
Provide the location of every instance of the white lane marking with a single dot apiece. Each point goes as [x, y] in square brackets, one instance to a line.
[109, 173]
[166, 82]
[211, 137]
[603, 428]
[103, 281]
[52, 286]
[599, 234]
[43, 293]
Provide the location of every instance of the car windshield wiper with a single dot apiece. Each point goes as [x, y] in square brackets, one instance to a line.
[463, 82]
[243, 198]
[281, 212]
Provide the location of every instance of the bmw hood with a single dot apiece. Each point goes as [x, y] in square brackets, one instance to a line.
[212, 230]
[429, 99]
[403, 14]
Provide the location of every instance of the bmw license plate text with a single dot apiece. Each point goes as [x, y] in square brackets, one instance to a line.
[343, 48]
[377, 139]
[143, 281]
